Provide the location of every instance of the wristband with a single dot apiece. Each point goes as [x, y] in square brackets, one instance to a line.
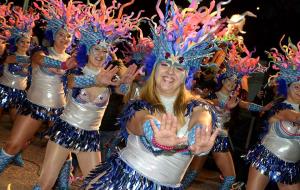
[254, 107]
[84, 81]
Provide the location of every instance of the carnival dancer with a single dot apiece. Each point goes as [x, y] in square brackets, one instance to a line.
[77, 129]
[167, 125]
[277, 157]
[14, 80]
[225, 98]
[45, 97]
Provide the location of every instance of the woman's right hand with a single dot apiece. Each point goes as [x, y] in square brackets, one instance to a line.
[232, 102]
[166, 135]
[105, 77]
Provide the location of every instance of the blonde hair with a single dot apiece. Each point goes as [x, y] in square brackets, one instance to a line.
[149, 94]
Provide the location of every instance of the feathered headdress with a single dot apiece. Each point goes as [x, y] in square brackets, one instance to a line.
[22, 27]
[239, 66]
[103, 28]
[59, 15]
[5, 10]
[185, 36]
[137, 49]
[287, 62]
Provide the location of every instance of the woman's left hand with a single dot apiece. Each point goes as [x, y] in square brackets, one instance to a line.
[204, 140]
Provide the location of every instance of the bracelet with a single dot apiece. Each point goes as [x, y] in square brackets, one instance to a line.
[124, 88]
[52, 63]
[163, 147]
[254, 107]
[64, 65]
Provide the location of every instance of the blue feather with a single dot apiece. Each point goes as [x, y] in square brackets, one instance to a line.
[149, 64]
[282, 87]
[190, 77]
[82, 57]
[49, 36]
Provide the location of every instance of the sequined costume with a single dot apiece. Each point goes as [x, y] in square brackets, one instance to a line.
[222, 143]
[136, 166]
[278, 155]
[46, 96]
[77, 128]
[13, 83]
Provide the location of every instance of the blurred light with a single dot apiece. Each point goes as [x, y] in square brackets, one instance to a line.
[257, 8]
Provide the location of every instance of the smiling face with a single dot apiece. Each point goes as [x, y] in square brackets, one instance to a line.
[294, 92]
[169, 77]
[23, 45]
[97, 56]
[62, 39]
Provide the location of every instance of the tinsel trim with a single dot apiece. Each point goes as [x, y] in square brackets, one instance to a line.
[11, 97]
[116, 174]
[270, 165]
[222, 144]
[74, 138]
[38, 112]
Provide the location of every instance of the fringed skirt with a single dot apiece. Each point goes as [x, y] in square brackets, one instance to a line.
[270, 165]
[39, 112]
[74, 138]
[222, 144]
[116, 174]
[11, 97]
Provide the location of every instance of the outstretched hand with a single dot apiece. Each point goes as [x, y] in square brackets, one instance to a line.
[167, 134]
[204, 140]
[232, 102]
[105, 77]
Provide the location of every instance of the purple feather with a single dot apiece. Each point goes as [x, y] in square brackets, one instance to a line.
[189, 79]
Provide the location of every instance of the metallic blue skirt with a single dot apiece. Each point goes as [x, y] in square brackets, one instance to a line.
[222, 144]
[39, 112]
[116, 174]
[270, 165]
[74, 138]
[11, 97]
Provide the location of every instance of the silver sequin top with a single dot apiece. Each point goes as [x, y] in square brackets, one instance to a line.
[82, 111]
[283, 139]
[47, 89]
[13, 81]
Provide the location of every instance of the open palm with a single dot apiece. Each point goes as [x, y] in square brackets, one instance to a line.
[105, 77]
[204, 140]
[167, 133]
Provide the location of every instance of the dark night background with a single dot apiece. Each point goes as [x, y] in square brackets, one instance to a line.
[274, 18]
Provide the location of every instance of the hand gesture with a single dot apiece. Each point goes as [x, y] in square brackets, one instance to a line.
[104, 78]
[167, 134]
[232, 102]
[129, 75]
[204, 140]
